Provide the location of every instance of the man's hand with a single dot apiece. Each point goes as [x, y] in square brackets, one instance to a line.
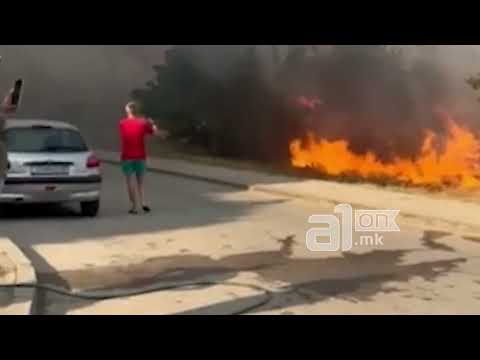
[161, 133]
[6, 107]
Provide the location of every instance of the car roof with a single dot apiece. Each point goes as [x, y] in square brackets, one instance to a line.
[28, 123]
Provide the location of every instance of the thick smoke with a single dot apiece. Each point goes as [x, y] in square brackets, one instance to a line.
[380, 98]
[85, 85]
[376, 99]
[383, 98]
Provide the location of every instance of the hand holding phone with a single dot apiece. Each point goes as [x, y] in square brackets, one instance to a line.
[16, 93]
[6, 106]
[12, 100]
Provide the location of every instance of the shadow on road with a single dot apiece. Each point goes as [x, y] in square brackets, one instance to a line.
[312, 280]
[177, 204]
[182, 204]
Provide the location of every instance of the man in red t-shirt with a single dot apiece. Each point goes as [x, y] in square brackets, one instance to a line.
[133, 130]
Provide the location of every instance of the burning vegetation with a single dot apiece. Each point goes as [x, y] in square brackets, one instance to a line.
[450, 161]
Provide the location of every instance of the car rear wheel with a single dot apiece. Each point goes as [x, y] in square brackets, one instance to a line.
[3, 210]
[90, 208]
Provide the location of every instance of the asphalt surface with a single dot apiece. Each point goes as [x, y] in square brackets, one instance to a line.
[204, 232]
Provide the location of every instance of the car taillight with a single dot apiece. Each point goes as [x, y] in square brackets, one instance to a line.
[93, 162]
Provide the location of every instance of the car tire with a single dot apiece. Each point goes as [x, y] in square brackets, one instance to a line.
[90, 208]
[3, 211]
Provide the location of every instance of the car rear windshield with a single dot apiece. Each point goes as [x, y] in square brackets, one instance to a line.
[44, 139]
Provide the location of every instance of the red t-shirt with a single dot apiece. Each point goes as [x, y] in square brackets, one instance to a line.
[132, 133]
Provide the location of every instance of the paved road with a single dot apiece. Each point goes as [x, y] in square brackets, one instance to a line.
[204, 232]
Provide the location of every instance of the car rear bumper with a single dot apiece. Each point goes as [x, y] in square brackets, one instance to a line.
[50, 190]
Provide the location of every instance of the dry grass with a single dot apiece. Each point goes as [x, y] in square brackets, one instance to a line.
[176, 150]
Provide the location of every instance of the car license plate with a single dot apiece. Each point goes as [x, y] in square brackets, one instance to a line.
[50, 170]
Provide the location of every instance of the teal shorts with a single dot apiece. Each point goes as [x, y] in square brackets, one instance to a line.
[133, 167]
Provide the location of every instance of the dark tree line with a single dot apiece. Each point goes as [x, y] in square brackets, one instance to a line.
[370, 97]
[238, 114]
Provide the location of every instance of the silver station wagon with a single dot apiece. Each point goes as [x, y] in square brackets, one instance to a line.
[49, 162]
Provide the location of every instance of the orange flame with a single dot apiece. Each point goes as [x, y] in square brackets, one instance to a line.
[457, 165]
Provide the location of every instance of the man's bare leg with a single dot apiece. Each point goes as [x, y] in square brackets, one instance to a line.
[141, 192]
[132, 193]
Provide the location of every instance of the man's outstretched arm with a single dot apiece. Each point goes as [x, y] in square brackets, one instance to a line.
[157, 131]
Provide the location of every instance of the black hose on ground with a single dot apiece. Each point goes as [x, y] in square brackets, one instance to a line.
[118, 294]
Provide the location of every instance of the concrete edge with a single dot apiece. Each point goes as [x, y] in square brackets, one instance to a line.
[470, 234]
[24, 271]
[186, 175]
[24, 275]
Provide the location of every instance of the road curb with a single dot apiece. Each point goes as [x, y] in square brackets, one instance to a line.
[468, 227]
[19, 271]
[208, 179]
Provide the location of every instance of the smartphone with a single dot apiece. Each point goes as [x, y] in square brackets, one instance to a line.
[17, 92]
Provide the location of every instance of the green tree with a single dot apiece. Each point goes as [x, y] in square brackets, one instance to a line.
[177, 93]
[242, 113]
